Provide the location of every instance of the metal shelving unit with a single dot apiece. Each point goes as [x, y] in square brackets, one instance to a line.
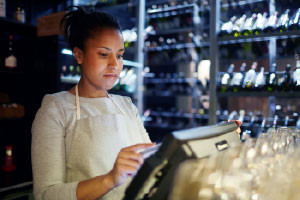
[215, 42]
[239, 3]
[170, 8]
[259, 38]
[173, 31]
[177, 46]
[276, 94]
[192, 44]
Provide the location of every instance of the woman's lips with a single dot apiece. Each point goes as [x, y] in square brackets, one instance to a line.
[110, 75]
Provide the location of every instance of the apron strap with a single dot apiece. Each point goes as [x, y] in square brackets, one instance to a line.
[77, 104]
[116, 104]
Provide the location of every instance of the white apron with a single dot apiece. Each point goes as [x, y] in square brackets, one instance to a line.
[96, 143]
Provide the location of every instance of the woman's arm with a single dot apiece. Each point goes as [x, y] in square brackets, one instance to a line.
[48, 153]
[126, 165]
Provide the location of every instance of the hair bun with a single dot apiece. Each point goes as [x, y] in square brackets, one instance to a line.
[79, 25]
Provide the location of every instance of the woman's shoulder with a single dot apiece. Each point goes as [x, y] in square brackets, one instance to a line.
[56, 99]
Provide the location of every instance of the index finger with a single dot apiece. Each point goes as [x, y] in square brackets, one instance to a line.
[139, 146]
[239, 123]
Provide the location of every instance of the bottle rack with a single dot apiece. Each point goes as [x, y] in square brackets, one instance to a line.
[160, 87]
[259, 38]
[216, 41]
[20, 85]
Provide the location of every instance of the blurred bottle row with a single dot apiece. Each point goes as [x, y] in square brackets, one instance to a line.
[260, 81]
[171, 56]
[254, 123]
[173, 84]
[11, 111]
[174, 118]
[70, 71]
[171, 19]
[173, 39]
[259, 23]
[19, 11]
[102, 3]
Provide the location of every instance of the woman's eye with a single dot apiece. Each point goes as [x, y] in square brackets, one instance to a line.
[103, 54]
[119, 56]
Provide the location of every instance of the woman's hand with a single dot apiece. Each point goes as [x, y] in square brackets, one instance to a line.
[239, 123]
[127, 163]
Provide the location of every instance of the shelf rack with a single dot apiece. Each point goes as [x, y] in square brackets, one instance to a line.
[278, 94]
[259, 38]
[177, 46]
[240, 3]
[169, 8]
[216, 41]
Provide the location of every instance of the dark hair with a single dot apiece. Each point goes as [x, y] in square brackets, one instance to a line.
[80, 25]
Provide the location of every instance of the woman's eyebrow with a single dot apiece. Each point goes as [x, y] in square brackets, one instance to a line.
[109, 49]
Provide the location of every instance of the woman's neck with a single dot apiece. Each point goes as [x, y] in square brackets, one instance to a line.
[88, 90]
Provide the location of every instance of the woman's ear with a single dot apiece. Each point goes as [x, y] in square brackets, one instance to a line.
[78, 55]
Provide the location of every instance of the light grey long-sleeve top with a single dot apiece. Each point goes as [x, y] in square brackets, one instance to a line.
[52, 133]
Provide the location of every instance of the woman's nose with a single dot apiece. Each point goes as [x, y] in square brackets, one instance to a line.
[113, 63]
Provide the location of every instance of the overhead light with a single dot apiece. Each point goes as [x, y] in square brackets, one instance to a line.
[67, 52]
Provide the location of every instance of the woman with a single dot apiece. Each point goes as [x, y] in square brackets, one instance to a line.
[84, 140]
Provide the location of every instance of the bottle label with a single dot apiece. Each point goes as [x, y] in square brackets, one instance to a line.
[11, 62]
[20, 16]
[2, 8]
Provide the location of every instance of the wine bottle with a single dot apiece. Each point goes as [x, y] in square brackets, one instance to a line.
[71, 70]
[78, 70]
[8, 166]
[225, 80]
[2, 8]
[260, 81]
[283, 22]
[11, 60]
[238, 26]
[250, 77]
[252, 129]
[285, 81]
[271, 23]
[241, 118]
[296, 77]
[275, 121]
[295, 117]
[232, 115]
[226, 28]
[262, 128]
[294, 21]
[259, 24]
[242, 114]
[272, 79]
[248, 27]
[64, 71]
[20, 12]
[286, 121]
[238, 79]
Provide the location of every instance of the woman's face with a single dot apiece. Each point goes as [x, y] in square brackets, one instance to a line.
[102, 58]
